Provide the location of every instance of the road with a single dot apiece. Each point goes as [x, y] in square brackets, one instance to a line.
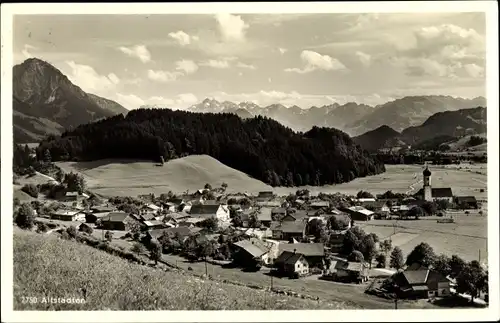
[351, 294]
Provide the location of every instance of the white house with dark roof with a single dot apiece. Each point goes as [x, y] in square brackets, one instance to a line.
[218, 211]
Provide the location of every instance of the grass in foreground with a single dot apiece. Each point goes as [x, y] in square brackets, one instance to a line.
[45, 266]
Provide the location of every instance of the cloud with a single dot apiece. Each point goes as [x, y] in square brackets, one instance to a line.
[282, 50]
[364, 58]
[182, 38]
[186, 66]
[139, 51]
[189, 98]
[231, 27]
[26, 50]
[247, 66]
[181, 101]
[216, 63]
[89, 80]
[163, 76]
[129, 101]
[474, 70]
[315, 61]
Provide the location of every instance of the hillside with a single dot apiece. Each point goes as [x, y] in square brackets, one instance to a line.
[259, 147]
[46, 102]
[71, 269]
[410, 111]
[378, 138]
[131, 177]
[438, 129]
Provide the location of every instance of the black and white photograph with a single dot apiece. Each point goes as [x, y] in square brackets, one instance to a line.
[250, 162]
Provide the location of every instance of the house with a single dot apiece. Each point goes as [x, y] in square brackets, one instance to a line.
[146, 217]
[102, 208]
[191, 222]
[421, 283]
[298, 215]
[278, 213]
[314, 252]
[347, 271]
[260, 233]
[250, 252]
[266, 203]
[92, 217]
[366, 199]
[291, 264]
[150, 208]
[68, 215]
[218, 211]
[289, 230]
[466, 202]
[379, 207]
[264, 216]
[117, 221]
[336, 240]
[154, 224]
[319, 205]
[265, 195]
[74, 197]
[359, 213]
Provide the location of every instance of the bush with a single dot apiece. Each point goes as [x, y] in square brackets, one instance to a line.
[71, 232]
[381, 260]
[87, 229]
[138, 248]
[108, 236]
[31, 190]
[65, 235]
[41, 227]
[24, 217]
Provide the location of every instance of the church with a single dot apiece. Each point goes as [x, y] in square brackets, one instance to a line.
[429, 193]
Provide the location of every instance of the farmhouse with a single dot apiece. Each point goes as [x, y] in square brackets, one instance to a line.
[250, 252]
[421, 283]
[298, 215]
[359, 213]
[147, 217]
[291, 264]
[278, 213]
[191, 222]
[336, 240]
[218, 211]
[68, 215]
[343, 270]
[319, 205]
[466, 202]
[265, 195]
[288, 230]
[154, 224]
[150, 208]
[267, 203]
[117, 221]
[74, 197]
[92, 217]
[264, 216]
[379, 207]
[313, 252]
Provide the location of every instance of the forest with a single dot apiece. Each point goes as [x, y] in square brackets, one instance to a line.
[259, 147]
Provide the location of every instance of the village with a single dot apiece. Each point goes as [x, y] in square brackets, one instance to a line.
[299, 237]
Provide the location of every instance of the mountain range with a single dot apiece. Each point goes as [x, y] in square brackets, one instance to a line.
[439, 128]
[46, 102]
[352, 118]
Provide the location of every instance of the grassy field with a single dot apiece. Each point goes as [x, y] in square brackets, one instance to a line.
[407, 178]
[45, 266]
[131, 178]
[464, 238]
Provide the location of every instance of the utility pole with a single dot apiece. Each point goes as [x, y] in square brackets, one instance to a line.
[206, 268]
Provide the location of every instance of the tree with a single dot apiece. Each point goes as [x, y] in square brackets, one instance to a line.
[386, 246]
[337, 223]
[253, 221]
[381, 260]
[289, 179]
[208, 186]
[87, 229]
[25, 216]
[471, 279]
[210, 224]
[430, 208]
[397, 260]
[442, 264]
[16, 202]
[368, 249]
[71, 230]
[375, 237]
[31, 190]
[46, 156]
[443, 205]
[237, 221]
[349, 243]
[138, 248]
[156, 252]
[456, 264]
[59, 175]
[422, 254]
[224, 186]
[108, 236]
[42, 227]
[75, 182]
[415, 212]
[356, 256]
[363, 194]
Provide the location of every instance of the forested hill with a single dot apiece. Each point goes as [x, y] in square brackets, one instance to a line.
[260, 147]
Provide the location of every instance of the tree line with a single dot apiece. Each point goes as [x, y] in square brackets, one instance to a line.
[260, 147]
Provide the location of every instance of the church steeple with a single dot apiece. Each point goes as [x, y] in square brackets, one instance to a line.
[427, 184]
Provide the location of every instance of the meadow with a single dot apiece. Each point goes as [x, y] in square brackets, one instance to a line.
[467, 237]
[107, 282]
[131, 178]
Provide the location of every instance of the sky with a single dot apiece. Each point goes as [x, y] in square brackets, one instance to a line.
[178, 60]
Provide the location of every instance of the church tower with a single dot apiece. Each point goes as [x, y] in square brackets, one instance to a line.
[427, 184]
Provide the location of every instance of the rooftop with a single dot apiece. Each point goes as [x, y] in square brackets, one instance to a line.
[307, 249]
